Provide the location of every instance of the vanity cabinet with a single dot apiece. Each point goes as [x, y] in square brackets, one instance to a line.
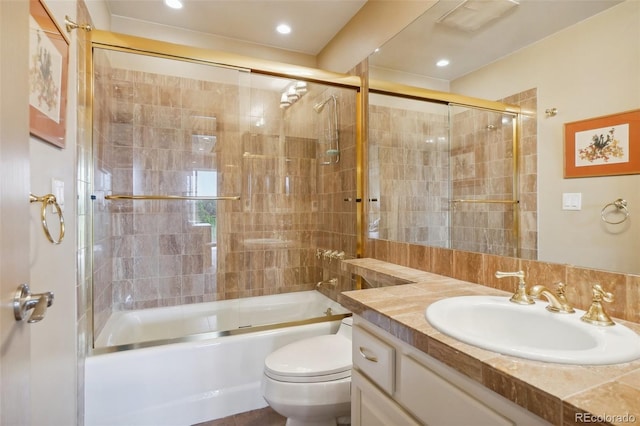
[393, 383]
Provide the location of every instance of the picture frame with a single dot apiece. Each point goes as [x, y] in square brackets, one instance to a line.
[48, 74]
[603, 146]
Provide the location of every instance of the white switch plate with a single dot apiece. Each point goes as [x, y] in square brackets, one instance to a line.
[572, 201]
[57, 189]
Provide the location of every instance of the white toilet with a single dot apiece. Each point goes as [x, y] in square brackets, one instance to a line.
[309, 381]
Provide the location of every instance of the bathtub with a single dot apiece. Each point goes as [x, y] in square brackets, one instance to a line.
[209, 375]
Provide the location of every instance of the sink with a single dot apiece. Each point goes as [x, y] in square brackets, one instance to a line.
[532, 332]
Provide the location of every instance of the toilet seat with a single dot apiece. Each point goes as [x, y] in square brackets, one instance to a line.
[317, 359]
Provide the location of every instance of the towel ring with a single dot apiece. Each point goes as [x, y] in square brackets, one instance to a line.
[46, 200]
[621, 207]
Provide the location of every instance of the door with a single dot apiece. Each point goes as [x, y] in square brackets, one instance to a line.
[15, 352]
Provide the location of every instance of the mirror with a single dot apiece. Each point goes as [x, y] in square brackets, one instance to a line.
[585, 64]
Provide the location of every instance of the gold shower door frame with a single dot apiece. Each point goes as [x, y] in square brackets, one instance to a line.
[121, 42]
[110, 41]
[452, 99]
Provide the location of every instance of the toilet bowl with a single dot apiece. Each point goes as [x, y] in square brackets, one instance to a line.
[309, 381]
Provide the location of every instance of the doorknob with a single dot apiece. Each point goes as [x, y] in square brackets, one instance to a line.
[25, 301]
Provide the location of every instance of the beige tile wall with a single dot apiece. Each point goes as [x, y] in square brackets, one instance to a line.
[150, 253]
[411, 159]
[408, 174]
[480, 269]
[482, 167]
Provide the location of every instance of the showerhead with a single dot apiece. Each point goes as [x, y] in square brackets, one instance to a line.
[320, 105]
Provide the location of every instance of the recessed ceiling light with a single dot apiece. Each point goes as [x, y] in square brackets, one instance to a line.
[442, 62]
[283, 29]
[173, 4]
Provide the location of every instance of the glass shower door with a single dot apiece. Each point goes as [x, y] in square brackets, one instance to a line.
[483, 180]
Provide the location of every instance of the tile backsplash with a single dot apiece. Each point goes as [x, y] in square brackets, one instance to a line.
[481, 268]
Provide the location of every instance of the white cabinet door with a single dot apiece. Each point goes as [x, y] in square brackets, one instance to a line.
[371, 407]
[437, 401]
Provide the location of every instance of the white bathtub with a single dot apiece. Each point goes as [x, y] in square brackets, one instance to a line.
[195, 381]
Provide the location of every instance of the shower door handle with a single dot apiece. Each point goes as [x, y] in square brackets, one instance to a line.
[25, 301]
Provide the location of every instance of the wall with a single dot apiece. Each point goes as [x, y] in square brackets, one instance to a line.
[374, 24]
[588, 70]
[482, 167]
[54, 386]
[408, 171]
[414, 172]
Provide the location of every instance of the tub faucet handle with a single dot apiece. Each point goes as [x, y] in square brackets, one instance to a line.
[327, 254]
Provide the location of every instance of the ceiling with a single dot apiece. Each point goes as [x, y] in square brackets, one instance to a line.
[415, 50]
[314, 22]
[420, 45]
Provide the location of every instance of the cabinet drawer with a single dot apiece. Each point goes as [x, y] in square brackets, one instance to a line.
[374, 358]
[437, 401]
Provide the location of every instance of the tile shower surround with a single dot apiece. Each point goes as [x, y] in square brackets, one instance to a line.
[410, 177]
[147, 254]
[481, 167]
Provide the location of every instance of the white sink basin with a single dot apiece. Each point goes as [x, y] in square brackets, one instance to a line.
[532, 332]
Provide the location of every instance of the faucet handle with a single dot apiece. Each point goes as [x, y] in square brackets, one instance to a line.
[520, 296]
[600, 294]
[596, 314]
[517, 274]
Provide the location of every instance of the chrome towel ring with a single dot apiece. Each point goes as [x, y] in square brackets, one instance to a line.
[620, 207]
[46, 200]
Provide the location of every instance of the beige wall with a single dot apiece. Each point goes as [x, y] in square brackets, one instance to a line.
[374, 24]
[53, 342]
[588, 70]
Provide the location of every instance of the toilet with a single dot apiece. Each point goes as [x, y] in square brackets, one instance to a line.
[309, 381]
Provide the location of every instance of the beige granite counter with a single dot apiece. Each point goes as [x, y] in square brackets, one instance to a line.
[561, 394]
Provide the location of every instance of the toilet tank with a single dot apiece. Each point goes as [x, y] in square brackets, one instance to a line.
[345, 327]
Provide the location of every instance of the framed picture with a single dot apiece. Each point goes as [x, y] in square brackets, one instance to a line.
[603, 146]
[48, 69]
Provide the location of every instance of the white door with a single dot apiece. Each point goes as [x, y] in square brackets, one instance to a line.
[15, 352]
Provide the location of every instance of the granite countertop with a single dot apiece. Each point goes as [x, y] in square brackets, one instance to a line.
[561, 394]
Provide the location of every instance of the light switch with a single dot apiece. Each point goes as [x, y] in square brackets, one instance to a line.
[57, 189]
[572, 201]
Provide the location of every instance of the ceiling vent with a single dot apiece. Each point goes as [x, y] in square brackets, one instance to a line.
[471, 15]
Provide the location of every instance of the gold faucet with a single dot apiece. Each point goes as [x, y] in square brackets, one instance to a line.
[557, 302]
[596, 314]
[520, 296]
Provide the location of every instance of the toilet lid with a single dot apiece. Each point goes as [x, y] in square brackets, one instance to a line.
[316, 359]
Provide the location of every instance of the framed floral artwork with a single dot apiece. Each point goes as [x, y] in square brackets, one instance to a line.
[603, 146]
[48, 70]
